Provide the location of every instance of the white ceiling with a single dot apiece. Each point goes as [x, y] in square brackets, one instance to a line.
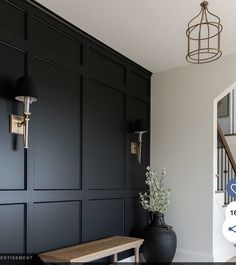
[150, 32]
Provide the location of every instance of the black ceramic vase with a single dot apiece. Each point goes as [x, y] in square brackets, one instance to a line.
[159, 240]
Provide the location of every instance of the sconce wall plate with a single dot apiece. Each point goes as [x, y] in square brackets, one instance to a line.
[134, 148]
[16, 124]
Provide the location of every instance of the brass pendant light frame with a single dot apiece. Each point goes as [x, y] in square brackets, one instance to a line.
[204, 53]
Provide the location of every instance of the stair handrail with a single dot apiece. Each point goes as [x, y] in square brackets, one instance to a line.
[226, 146]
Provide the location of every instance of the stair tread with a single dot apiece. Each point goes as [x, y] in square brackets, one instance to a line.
[230, 134]
[233, 259]
[220, 191]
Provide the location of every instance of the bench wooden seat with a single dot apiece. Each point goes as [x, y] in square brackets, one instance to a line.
[94, 250]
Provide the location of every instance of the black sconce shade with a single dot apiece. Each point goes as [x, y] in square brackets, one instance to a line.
[140, 126]
[25, 88]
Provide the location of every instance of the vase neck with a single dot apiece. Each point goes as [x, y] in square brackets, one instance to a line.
[158, 219]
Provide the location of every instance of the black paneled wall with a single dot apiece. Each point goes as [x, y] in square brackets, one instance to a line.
[78, 181]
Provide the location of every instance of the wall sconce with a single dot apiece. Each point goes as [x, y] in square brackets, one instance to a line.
[136, 148]
[25, 93]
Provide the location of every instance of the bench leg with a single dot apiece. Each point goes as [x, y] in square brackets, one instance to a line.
[115, 258]
[136, 251]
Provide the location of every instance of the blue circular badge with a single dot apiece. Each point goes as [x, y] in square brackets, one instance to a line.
[231, 187]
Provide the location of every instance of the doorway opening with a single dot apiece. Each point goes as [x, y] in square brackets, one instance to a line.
[224, 168]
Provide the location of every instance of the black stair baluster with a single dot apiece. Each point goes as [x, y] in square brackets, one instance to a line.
[227, 182]
[221, 173]
[226, 166]
[218, 164]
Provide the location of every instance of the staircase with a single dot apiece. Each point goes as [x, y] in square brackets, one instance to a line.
[223, 250]
[226, 166]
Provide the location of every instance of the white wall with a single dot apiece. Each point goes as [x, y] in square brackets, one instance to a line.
[182, 141]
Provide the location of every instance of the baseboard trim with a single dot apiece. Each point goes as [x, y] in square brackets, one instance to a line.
[131, 259]
[182, 255]
[188, 255]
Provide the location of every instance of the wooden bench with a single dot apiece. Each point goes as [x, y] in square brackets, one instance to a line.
[94, 250]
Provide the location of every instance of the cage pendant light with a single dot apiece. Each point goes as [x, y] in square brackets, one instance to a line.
[203, 35]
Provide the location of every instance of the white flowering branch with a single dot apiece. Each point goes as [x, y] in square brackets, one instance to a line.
[157, 197]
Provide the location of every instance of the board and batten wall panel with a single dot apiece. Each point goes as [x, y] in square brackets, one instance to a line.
[55, 45]
[60, 226]
[103, 67]
[57, 127]
[108, 222]
[12, 228]
[78, 181]
[15, 27]
[103, 136]
[12, 66]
